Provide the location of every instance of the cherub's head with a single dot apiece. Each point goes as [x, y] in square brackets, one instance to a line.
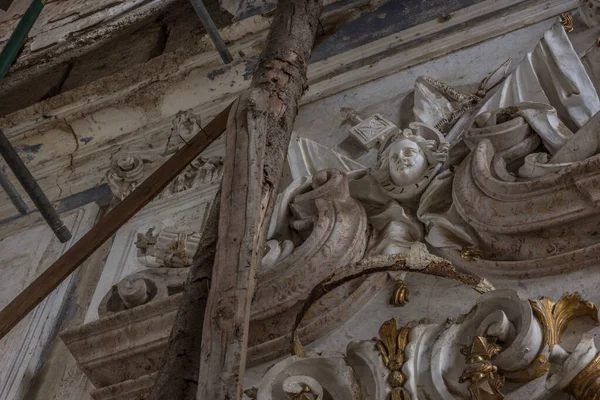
[408, 158]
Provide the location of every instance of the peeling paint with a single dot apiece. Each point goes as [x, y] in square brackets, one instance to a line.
[27, 148]
[217, 72]
[250, 65]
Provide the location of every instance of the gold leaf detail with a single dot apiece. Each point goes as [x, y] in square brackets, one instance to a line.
[400, 394]
[400, 294]
[297, 348]
[484, 380]
[391, 345]
[554, 317]
[566, 21]
[539, 367]
[586, 385]
[471, 254]
[251, 393]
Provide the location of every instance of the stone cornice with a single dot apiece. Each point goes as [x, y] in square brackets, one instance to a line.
[68, 141]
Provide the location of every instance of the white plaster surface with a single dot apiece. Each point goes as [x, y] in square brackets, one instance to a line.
[24, 254]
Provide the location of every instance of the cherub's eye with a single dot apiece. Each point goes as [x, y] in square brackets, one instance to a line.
[409, 152]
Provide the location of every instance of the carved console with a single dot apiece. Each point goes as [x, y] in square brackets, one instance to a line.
[504, 348]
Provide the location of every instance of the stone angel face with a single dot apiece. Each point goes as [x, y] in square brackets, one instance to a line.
[407, 162]
[410, 160]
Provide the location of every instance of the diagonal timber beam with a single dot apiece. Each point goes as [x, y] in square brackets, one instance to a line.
[66, 264]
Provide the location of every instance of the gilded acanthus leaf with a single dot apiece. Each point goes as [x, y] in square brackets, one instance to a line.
[391, 345]
[554, 317]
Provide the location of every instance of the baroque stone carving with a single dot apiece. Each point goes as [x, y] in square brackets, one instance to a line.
[371, 132]
[391, 345]
[169, 248]
[124, 175]
[143, 287]
[467, 359]
[129, 170]
[479, 176]
[400, 294]
[410, 160]
[327, 230]
[483, 377]
[186, 125]
[201, 171]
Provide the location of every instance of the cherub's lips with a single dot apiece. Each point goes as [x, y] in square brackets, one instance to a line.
[401, 166]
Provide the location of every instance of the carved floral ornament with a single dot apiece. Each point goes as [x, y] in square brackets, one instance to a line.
[505, 348]
[129, 169]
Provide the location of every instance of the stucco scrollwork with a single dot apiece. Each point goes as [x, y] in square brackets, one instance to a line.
[500, 340]
[143, 287]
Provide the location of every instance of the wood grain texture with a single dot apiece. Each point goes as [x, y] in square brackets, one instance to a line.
[258, 134]
[178, 375]
[48, 280]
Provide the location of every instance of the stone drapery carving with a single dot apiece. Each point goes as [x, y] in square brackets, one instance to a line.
[504, 338]
[505, 164]
[439, 105]
[477, 177]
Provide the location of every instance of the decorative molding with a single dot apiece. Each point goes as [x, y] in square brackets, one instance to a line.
[484, 380]
[169, 247]
[391, 345]
[554, 317]
[400, 294]
[499, 335]
[97, 129]
[586, 385]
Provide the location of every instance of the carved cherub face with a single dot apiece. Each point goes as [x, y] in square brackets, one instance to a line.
[407, 162]
[410, 160]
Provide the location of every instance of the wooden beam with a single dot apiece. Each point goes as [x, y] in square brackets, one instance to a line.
[48, 280]
[258, 135]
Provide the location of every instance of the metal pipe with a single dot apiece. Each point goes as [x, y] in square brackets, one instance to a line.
[33, 189]
[18, 37]
[212, 30]
[12, 193]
